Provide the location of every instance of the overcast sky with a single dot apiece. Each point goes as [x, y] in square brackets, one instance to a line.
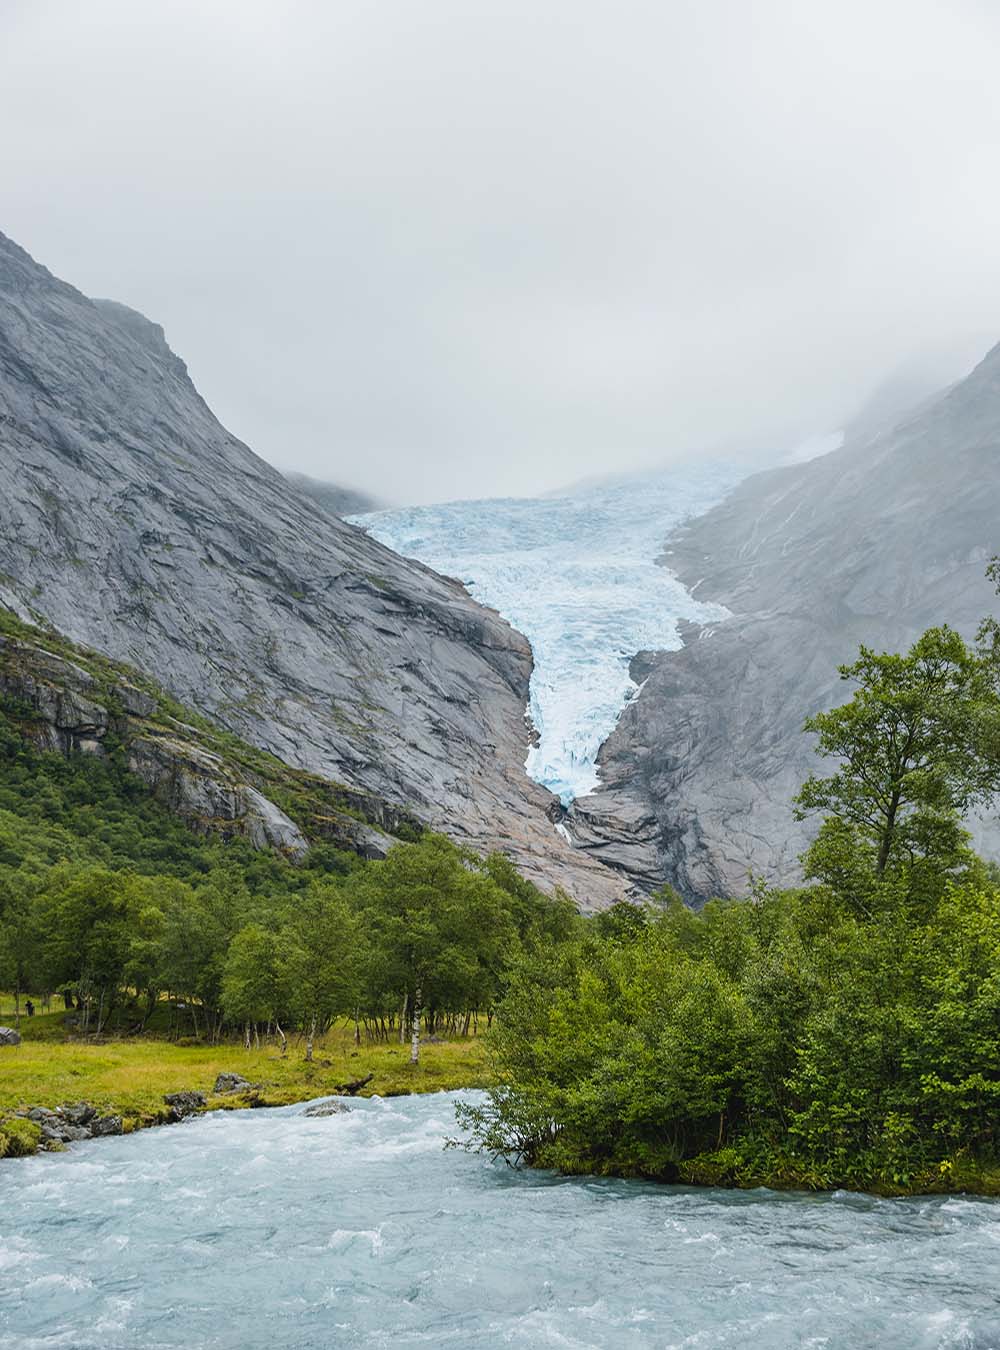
[445, 248]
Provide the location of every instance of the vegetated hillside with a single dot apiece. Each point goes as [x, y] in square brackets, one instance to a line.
[133, 522]
[338, 501]
[57, 697]
[871, 544]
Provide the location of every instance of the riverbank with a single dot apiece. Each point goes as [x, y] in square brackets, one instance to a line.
[131, 1077]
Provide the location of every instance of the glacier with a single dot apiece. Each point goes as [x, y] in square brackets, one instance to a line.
[577, 574]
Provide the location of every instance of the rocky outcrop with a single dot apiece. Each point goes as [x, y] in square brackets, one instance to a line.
[180, 1105]
[68, 712]
[134, 523]
[73, 1123]
[872, 543]
[8, 1036]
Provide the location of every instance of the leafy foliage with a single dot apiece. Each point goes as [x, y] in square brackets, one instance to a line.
[842, 1034]
[106, 896]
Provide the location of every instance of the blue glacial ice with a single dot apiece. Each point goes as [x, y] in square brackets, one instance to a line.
[577, 575]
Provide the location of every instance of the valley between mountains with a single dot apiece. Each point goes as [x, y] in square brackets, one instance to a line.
[679, 627]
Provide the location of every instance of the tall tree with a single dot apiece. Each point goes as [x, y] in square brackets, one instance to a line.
[917, 749]
[439, 928]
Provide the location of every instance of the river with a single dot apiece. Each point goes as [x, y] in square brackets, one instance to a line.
[269, 1228]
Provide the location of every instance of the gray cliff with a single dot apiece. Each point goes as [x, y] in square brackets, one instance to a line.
[134, 523]
[871, 544]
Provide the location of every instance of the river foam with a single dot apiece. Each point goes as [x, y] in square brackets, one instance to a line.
[256, 1229]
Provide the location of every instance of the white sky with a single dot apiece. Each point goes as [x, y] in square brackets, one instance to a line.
[444, 248]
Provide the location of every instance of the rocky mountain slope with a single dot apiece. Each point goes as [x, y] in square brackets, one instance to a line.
[69, 700]
[872, 543]
[134, 523]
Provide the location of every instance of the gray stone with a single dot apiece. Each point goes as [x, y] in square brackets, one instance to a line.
[104, 1126]
[326, 1109]
[57, 1131]
[8, 1036]
[79, 1113]
[233, 1082]
[184, 1103]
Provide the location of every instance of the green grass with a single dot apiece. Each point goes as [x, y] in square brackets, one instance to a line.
[130, 1077]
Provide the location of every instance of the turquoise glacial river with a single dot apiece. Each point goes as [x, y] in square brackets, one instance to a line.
[272, 1229]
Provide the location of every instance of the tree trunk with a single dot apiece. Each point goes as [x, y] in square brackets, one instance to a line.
[415, 1030]
[402, 1019]
[309, 1039]
[890, 828]
[284, 1038]
[17, 1006]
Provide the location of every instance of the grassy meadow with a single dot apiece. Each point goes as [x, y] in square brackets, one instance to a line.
[129, 1077]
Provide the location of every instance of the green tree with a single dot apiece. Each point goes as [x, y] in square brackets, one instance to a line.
[321, 957]
[916, 750]
[84, 925]
[19, 938]
[253, 987]
[439, 929]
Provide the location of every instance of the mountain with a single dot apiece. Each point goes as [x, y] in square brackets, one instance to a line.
[338, 501]
[59, 697]
[872, 544]
[133, 523]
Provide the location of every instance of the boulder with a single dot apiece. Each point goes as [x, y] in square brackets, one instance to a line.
[78, 1113]
[59, 1131]
[72, 1123]
[8, 1036]
[104, 1126]
[234, 1082]
[184, 1103]
[325, 1109]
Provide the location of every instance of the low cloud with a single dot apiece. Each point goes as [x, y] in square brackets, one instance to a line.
[456, 249]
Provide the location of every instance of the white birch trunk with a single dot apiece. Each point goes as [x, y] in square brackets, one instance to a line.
[415, 1036]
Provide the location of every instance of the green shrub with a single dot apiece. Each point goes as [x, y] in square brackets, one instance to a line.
[18, 1137]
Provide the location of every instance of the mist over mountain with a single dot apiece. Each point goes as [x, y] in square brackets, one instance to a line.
[339, 501]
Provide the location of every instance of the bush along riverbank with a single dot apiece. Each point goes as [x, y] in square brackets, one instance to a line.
[54, 1093]
[845, 1034]
[784, 1042]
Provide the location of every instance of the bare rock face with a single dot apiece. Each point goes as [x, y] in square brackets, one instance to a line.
[134, 523]
[871, 544]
